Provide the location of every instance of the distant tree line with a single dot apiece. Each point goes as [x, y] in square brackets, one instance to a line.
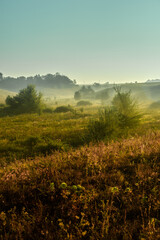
[28, 100]
[87, 92]
[46, 81]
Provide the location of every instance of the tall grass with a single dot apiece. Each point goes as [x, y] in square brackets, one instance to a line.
[97, 192]
[52, 187]
[116, 120]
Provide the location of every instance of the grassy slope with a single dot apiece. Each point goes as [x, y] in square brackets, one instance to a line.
[28, 135]
[21, 135]
[119, 197]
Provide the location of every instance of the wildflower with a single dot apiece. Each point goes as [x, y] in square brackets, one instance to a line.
[74, 187]
[63, 185]
[52, 186]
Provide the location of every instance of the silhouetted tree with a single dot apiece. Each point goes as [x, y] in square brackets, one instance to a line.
[1, 76]
[126, 108]
[26, 101]
[47, 81]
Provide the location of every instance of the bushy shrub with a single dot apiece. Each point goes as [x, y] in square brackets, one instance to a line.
[63, 109]
[48, 110]
[86, 92]
[127, 109]
[84, 103]
[43, 146]
[106, 126]
[116, 120]
[26, 101]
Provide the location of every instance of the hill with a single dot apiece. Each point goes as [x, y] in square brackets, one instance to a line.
[104, 191]
[141, 91]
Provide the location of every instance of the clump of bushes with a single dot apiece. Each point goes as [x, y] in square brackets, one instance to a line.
[115, 120]
[84, 103]
[86, 92]
[126, 108]
[63, 109]
[26, 101]
[48, 110]
[106, 126]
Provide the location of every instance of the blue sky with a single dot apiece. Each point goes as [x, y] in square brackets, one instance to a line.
[87, 40]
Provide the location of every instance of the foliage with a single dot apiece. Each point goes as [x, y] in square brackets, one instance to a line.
[105, 127]
[63, 109]
[83, 103]
[27, 101]
[116, 120]
[68, 128]
[126, 108]
[86, 92]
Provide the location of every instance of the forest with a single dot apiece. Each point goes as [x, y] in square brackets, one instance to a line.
[47, 81]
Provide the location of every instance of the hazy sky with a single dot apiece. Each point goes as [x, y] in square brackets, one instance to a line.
[87, 40]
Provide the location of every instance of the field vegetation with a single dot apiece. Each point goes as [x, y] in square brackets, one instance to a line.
[81, 171]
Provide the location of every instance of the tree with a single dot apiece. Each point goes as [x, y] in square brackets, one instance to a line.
[26, 101]
[1, 76]
[126, 108]
[116, 120]
[85, 93]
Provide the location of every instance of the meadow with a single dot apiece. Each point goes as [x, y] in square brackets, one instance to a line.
[56, 183]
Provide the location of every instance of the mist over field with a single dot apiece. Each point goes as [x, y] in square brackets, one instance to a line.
[79, 161]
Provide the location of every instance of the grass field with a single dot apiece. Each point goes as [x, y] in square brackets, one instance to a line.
[54, 184]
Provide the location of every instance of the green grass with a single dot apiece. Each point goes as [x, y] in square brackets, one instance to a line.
[49, 128]
[15, 131]
[54, 184]
[55, 131]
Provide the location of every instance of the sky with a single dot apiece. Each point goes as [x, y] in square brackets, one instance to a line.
[86, 40]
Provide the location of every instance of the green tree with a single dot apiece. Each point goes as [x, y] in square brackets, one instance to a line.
[1, 76]
[127, 109]
[26, 101]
